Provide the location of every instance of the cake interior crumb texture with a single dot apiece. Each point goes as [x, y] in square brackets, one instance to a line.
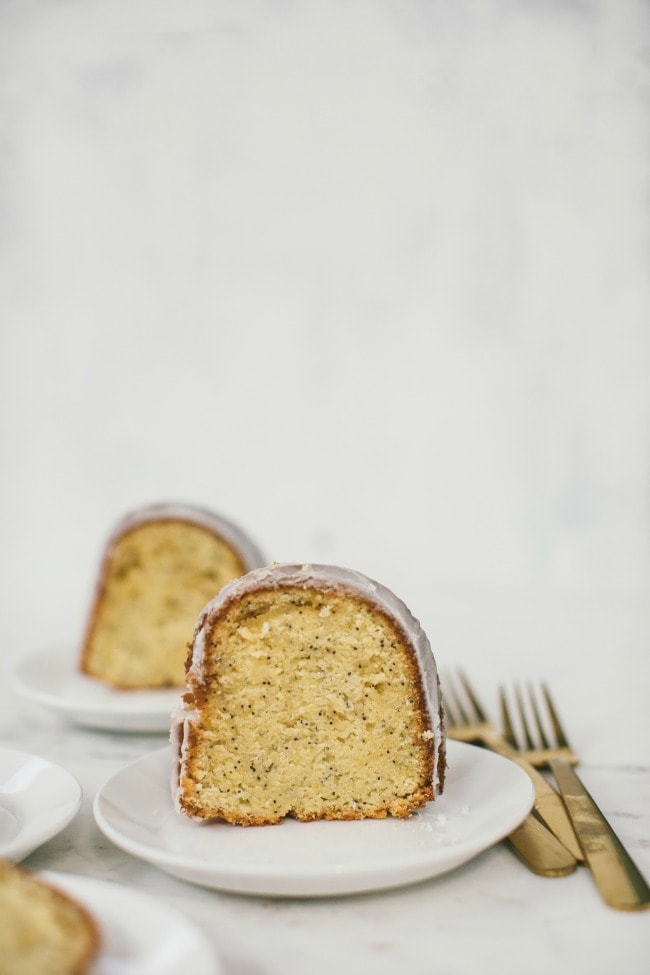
[157, 578]
[310, 705]
[42, 930]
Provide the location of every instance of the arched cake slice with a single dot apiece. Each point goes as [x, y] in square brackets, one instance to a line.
[313, 693]
[43, 929]
[160, 566]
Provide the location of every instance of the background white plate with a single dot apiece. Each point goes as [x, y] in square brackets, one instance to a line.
[52, 679]
[485, 798]
[37, 800]
[141, 935]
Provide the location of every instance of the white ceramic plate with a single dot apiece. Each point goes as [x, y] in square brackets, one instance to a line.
[52, 679]
[140, 935]
[37, 800]
[485, 798]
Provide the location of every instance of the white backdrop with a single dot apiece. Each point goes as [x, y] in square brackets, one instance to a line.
[371, 279]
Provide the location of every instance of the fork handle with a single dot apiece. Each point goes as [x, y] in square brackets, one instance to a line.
[548, 805]
[617, 877]
[540, 850]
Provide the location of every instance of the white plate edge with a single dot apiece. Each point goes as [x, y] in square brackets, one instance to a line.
[20, 850]
[182, 866]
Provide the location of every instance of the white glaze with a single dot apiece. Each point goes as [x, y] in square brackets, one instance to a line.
[327, 578]
[194, 515]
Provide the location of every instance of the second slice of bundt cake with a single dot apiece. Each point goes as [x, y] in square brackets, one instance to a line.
[313, 693]
[161, 564]
[43, 930]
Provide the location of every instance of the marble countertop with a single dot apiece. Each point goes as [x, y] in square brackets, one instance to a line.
[490, 915]
[370, 280]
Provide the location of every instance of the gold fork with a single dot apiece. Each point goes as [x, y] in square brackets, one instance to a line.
[619, 881]
[538, 846]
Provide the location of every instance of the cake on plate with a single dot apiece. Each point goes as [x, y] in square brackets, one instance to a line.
[43, 931]
[160, 566]
[312, 692]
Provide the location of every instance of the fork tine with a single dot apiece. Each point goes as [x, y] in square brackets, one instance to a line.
[449, 706]
[480, 713]
[541, 734]
[506, 721]
[530, 744]
[458, 713]
[558, 730]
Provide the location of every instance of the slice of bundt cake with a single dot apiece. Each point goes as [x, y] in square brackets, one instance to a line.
[42, 928]
[313, 693]
[160, 566]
